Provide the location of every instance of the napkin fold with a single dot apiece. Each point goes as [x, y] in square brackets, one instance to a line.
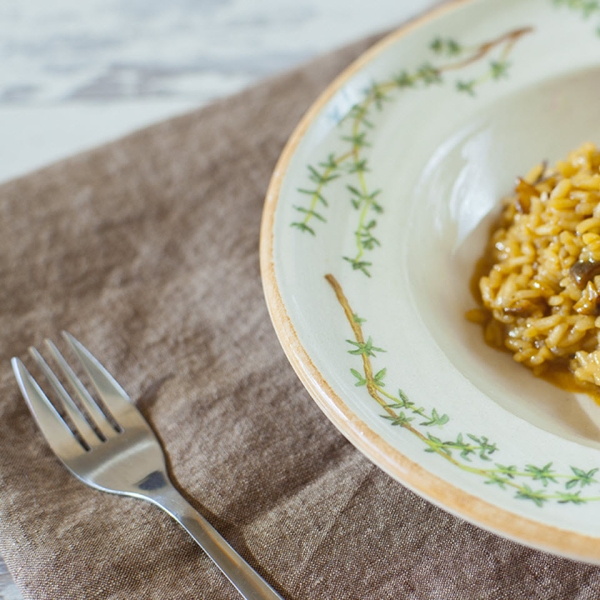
[146, 249]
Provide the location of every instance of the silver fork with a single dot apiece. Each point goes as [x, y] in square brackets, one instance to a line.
[113, 449]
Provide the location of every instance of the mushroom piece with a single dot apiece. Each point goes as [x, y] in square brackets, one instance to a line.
[525, 191]
[584, 271]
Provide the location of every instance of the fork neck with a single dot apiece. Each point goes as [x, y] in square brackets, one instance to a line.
[158, 489]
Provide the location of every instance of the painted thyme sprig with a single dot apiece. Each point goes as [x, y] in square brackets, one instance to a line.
[351, 165]
[474, 454]
[586, 7]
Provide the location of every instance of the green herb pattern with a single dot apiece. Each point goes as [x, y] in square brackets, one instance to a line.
[587, 8]
[471, 453]
[351, 165]
[474, 454]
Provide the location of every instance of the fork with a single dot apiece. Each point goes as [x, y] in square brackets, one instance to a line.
[111, 447]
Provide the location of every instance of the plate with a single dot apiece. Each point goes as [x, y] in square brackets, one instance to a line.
[376, 214]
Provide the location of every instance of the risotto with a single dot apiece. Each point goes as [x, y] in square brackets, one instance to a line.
[538, 285]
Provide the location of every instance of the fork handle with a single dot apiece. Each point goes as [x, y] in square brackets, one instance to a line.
[244, 578]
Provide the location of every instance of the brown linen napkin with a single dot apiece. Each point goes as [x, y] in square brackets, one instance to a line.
[147, 251]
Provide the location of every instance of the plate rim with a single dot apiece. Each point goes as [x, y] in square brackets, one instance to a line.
[409, 473]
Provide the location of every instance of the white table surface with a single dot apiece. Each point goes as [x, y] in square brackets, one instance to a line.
[78, 74]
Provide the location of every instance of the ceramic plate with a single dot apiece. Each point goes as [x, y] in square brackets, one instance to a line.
[375, 217]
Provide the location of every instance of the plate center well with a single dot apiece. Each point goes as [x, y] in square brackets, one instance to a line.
[456, 201]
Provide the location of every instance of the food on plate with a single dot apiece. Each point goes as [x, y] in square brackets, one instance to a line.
[538, 283]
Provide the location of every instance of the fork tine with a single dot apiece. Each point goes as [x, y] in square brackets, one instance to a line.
[83, 427]
[116, 398]
[55, 430]
[99, 418]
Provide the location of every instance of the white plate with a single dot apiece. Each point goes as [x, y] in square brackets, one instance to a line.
[376, 214]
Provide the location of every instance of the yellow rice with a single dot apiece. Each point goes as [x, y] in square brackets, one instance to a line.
[539, 281]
